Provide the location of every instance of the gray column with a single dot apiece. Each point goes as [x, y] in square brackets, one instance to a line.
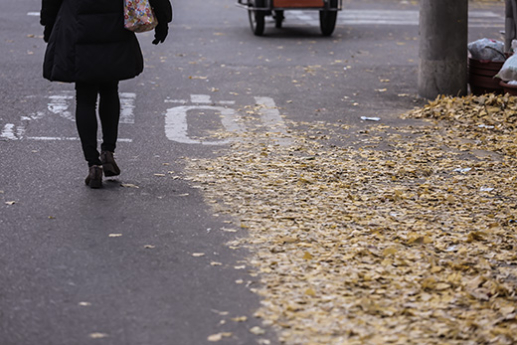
[510, 25]
[443, 48]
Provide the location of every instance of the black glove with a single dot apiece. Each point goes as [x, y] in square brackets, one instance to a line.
[47, 32]
[161, 32]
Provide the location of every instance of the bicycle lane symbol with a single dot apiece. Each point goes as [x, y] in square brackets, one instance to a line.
[177, 125]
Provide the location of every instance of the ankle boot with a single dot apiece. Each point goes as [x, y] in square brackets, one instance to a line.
[108, 164]
[94, 178]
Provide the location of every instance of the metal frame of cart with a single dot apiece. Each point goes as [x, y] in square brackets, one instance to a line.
[259, 9]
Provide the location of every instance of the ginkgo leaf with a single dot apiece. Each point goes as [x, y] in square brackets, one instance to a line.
[98, 335]
[310, 292]
[219, 336]
[129, 185]
[257, 330]
[240, 319]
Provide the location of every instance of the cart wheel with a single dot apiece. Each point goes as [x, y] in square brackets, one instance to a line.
[258, 18]
[328, 20]
[279, 19]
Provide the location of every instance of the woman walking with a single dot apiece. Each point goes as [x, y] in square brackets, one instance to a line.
[89, 46]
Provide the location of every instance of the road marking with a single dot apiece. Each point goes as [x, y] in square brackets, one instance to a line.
[8, 132]
[177, 119]
[271, 118]
[120, 140]
[176, 123]
[477, 19]
[59, 104]
[199, 99]
[270, 115]
[127, 107]
[373, 17]
[177, 101]
[184, 101]
[52, 138]
[226, 102]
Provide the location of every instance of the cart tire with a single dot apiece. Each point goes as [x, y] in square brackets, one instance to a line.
[279, 19]
[328, 20]
[258, 19]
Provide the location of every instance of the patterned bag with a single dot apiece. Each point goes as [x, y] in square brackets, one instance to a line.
[139, 16]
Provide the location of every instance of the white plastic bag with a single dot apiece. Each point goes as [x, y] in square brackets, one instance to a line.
[487, 50]
[509, 69]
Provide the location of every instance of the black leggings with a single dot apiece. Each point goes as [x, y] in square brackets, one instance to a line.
[86, 118]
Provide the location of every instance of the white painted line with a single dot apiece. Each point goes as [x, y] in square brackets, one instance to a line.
[303, 16]
[487, 26]
[127, 107]
[270, 114]
[176, 124]
[59, 105]
[201, 99]
[226, 102]
[271, 118]
[20, 130]
[486, 19]
[70, 139]
[393, 17]
[33, 14]
[379, 22]
[8, 132]
[365, 17]
[53, 138]
[403, 15]
[177, 101]
[483, 14]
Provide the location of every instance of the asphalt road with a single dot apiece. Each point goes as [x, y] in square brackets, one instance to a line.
[116, 265]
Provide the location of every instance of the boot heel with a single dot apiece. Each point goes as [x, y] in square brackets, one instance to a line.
[95, 184]
[109, 165]
[109, 170]
[94, 178]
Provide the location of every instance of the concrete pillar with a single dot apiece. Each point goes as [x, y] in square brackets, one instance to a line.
[443, 48]
[510, 24]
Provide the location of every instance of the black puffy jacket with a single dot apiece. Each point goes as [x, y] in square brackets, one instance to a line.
[88, 42]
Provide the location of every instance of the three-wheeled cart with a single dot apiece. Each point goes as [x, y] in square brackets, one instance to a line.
[259, 9]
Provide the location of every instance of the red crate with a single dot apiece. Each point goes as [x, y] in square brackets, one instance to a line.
[298, 3]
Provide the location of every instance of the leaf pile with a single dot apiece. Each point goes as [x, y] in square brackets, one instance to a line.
[490, 121]
[404, 237]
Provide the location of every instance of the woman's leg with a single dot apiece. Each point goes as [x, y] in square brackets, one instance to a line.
[109, 112]
[86, 120]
